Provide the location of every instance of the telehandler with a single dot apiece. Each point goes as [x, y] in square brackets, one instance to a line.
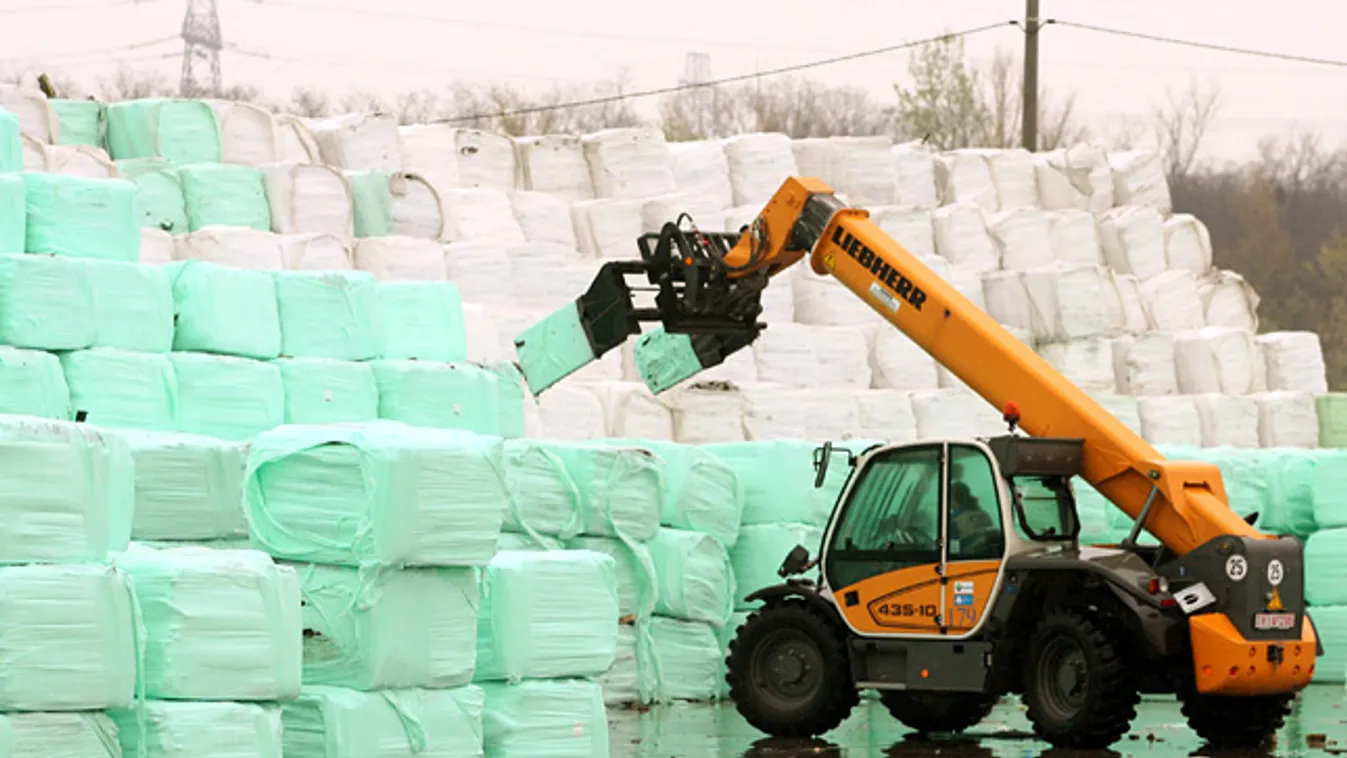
[950, 573]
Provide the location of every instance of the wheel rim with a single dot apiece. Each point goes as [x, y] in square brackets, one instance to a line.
[787, 668]
[1063, 676]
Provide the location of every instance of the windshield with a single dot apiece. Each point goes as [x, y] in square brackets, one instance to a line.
[1044, 508]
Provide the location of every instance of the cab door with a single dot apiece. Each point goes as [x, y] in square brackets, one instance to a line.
[885, 549]
[976, 544]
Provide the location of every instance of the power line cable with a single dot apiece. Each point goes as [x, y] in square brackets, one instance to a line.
[71, 7]
[727, 80]
[358, 62]
[1201, 45]
[87, 53]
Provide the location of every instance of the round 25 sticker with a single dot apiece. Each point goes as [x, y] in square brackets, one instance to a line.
[1275, 572]
[1236, 568]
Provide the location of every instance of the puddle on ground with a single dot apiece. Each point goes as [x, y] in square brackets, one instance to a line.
[1317, 726]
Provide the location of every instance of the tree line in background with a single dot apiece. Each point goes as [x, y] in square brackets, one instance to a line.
[1275, 219]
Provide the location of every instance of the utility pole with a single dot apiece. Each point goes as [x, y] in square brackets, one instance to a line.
[202, 43]
[1029, 107]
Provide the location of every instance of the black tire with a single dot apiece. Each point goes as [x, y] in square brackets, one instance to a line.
[1077, 685]
[1236, 722]
[789, 673]
[938, 712]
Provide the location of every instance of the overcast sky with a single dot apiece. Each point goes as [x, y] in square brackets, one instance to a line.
[336, 44]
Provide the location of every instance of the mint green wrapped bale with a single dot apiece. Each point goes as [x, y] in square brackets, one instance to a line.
[322, 391]
[225, 397]
[1326, 568]
[121, 389]
[32, 383]
[11, 143]
[13, 214]
[544, 499]
[218, 194]
[158, 193]
[179, 131]
[422, 321]
[703, 492]
[219, 624]
[759, 552]
[372, 203]
[777, 477]
[133, 306]
[70, 638]
[459, 396]
[546, 719]
[553, 348]
[188, 487]
[375, 494]
[82, 121]
[391, 630]
[520, 636]
[1330, 624]
[511, 394]
[621, 487]
[664, 360]
[330, 722]
[224, 310]
[1331, 409]
[621, 683]
[46, 302]
[1289, 504]
[687, 664]
[79, 217]
[330, 314]
[695, 577]
[633, 568]
[60, 735]
[172, 729]
[517, 541]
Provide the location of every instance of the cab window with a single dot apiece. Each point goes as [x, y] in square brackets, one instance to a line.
[975, 528]
[1045, 508]
[891, 519]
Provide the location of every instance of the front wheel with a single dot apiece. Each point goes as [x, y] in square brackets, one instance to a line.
[789, 673]
[1078, 689]
[1235, 722]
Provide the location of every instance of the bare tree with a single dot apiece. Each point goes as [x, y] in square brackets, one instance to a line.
[129, 84]
[1181, 124]
[306, 102]
[512, 111]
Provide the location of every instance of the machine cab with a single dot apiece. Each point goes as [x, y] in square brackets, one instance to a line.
[920, 532]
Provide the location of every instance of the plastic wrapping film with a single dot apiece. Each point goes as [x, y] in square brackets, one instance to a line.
[1325, 574]
[572, 413]
[59, 735]
[477, 268]
[421, 321]
[225, 195]
[700, 167]
[223, 310]
[325, 391]
[1228, 420]
[389, 629]
[167, 729]
[430, 151]
[308, 199]
[544, 217]
[621, 683]
[954, 413]
[1023, 238]
[760, 551]
[156, 247]
[1075, 237]
[248, 133]
[687, 661]
[1228, 300]
[807, 355]
[1139, 179]
[1133, 241]
[772, 412]
[316, 252]
[330, 722]
[629, 162]
[778, 481]
[1007, 300]
[520, 637]
[78, 160]
[631, 411]
[608, 228]
[1330, 408]
[703, 492]
[543, 498]
[122, 389]
[634, 571]
[1127, 312]
[397, 203]
[759, 163]
[896, 362]
[1295, 361]
[1075, 178]
[705, 211]
[554, 164]
[330, 314]
[359, 141]
[486, 160]
[187, 487]
[965, 177]
[297, 142]
[234, 247]
[1172, 302]
[34, 155]
[1125, 409]
[1087, 363]
[401, 259]
[390, 494]
[1214, 360]
[133, 306]
[694, 577]
[461, 396]
[32, 383]
[81, 218]
[159, 199]
[621, 487]
[1014, 175]
[13, 214]
[475, 214]
[11, 143]
[915, 168]
[1287, 419]
[219, 624]
[963, 238]
[885, 415]
[1187, 244]
[861, 168]
[71, 638]
[1145, 364]
[546, 719]
[825, 301]
[1170, 420]
[225, 397]
[179, 131]
[909, 226]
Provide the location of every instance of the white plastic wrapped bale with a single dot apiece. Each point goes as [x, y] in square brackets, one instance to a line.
[187, 487]
[885, 415]
[485, 160]
[1015, 178]
[233, 246]
[1214, 359]
[1172, 302]
[909, 226]
[630, 162]
[1125, 409]
[219, 624]
[608, 228]
[359, 141]
[572, 413]
[631, 411]
[224, 310]
[1087, 363]
[1229, 300]
[1068, 302]
[544, 217]
[32, 383]
[825, 301]
[1075, 237]
[804, 355]
[1133, 241]
[226, 397]
[861, 168]
[37, 119]
[559, 719]
[707, 412]
[621, 683]
[914, 164]
[694, 577]
[248, 134]
[1295, 361]
[401, 259]
[555, 165]
[1187, 244]
[308, 199]
[324, 391]
[896, 362]
[963, 238]
[80, 160]
[964, 177]
[69, 638]
[34, 154]
[156, 247]
[431, 151]
[705, 211]
[165, 729]
[1075, 178]
[700, 167]
[398, 203]
[296, 140]
[1144, 364]
[1139, 179]
[954, 413]
[1228, 420]
[1127, 311]
[1287, 419]
[392, 494]
[545, 276]
[480, 214]
[759, 552]
[122, 389]
[316, 252]
[772, 412]
[519, 638]
[1007, 299]
[685, 661]
[413, 627]
[462, 396]
[759, 163]
[1170, 420]
[330, 722]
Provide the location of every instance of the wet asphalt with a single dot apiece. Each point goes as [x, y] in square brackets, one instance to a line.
[1317, 726]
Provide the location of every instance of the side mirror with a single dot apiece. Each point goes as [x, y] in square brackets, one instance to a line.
[797, 562]
[821, 457]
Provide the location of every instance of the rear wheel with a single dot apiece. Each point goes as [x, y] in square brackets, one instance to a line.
[1236, 722]
[1078, 689]
[789, 673]
[938, 712]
